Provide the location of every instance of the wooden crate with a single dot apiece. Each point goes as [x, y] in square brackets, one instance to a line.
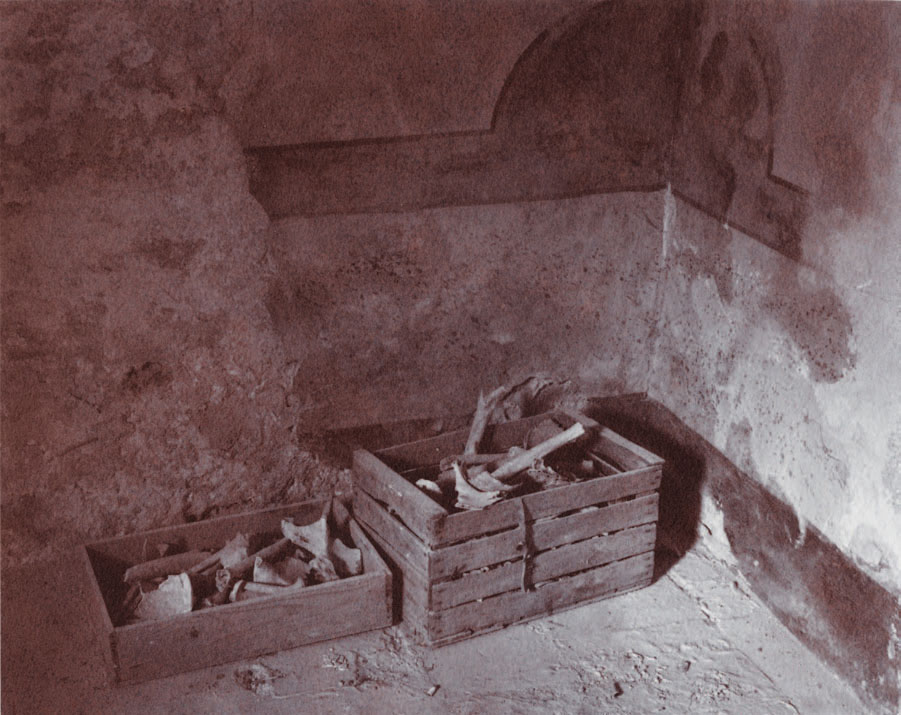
[468, 572]
[234, 631]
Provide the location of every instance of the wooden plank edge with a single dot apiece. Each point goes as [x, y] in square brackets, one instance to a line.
[372, 562]
[440, 643]
[138, 670]
[99, 614]
[380, 521]
[546, 566]
[422, 514]
[562, 588]
[466, 525]
[410, 575]
[214, 521]
[547, 533]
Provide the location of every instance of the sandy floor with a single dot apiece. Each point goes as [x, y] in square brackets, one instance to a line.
[695, 641]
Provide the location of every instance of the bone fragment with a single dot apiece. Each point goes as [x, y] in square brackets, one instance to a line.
[323, 569]
[516, 464]
[340, 515]
[234, 551]
[294, 570]
[164, 566]
[266, 573]
[311, 537]
[228, 555]
[429, 486]
[242, 590]
[174, 596]
[270, 553]
[468, 497]
[484, 407]
[480, 478]
[548, 478]
[237, 591]
[347, 561]
[468, 460]
[224, 580]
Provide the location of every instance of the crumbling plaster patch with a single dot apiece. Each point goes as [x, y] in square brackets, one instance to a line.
[738, 375]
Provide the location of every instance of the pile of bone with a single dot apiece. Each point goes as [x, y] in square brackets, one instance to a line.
[474, 481]
[245, 567]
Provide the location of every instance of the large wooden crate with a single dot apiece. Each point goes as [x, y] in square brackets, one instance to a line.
[234, 631]
[468, 572]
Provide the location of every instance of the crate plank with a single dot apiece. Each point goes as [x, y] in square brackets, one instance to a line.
[372, 562]
[403, 542]
[506, 514]
[428, 452]
[441, 642]
[251, 628]
[414, 583]
[488, 550]
[513, 606]
[99, 613]
[207, 534]
[417, 510]
[613, 437]
[543, 566]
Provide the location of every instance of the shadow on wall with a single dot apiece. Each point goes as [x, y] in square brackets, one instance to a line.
[683, 472]
[841, 614]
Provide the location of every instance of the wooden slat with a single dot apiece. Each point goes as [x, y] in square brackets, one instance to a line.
[544, 566]
[372, 562]
[413, 581]
[441, 642]
[546, 599]
[549, 502]
[418, 511]
[488, 550]
[251, 628]
[615, 437]
[498, 437]
[403, 541]
[99, 613]
[207, 534]
[612, 437]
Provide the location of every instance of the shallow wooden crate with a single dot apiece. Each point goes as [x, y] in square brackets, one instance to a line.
[234, 631]
[468, 572]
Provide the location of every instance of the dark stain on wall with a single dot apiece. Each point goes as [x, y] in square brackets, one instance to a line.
[854, 76]
[150, 374]
[711, 75]
[818, 322]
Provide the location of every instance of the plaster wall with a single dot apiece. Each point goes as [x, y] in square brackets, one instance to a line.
[167, 350]
[395, 316]
[780, 331]
[142, 382]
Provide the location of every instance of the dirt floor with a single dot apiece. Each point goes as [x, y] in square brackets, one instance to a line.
[695, 641]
